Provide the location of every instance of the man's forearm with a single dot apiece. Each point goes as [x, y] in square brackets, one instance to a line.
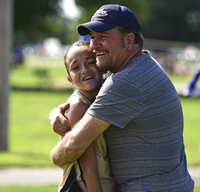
[56, 156]
[65, 151]
[76, 141]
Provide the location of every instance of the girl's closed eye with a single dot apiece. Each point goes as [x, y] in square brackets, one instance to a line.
[92, 62]
[75, 68]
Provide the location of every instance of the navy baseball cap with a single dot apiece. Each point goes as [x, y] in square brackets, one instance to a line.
[110, 16]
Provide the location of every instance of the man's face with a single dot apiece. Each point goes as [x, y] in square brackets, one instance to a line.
[110, 54]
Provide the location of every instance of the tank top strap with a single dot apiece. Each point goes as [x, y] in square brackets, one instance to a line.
[77, 93]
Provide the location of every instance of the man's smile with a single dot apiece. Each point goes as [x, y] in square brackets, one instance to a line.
[102, 53]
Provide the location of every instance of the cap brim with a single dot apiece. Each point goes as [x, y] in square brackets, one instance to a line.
[96, 26]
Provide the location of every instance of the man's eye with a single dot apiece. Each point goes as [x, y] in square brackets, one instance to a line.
[103, 37]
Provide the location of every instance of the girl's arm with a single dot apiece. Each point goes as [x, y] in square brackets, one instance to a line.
[90, 169]
[118, 187]
[88, 159]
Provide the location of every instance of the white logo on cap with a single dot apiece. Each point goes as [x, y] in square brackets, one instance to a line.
[100, 13]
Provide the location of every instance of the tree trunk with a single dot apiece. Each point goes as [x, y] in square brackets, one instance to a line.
[6, 7]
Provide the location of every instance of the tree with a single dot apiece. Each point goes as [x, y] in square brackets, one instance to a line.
[166, 19]
[5, 55]
[173, 20]
[36, 20]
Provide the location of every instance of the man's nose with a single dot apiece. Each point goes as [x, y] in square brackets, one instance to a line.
[94, 43]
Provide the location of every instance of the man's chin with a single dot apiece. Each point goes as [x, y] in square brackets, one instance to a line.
[102, 67]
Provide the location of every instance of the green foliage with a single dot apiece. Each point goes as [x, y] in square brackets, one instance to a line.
[166, 19]
[89, 8]
[36, 20]
[169, 20]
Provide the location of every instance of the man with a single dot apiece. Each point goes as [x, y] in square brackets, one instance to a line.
[137, 107]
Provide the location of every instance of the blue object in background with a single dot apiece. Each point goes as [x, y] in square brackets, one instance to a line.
[84, 38]
[18, 57]
[192, 90]
[194, 79]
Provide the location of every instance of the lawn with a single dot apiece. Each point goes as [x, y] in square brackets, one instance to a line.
[39, 77]
[44, 188]
[29, 188]
[30, 135]
[192, 129]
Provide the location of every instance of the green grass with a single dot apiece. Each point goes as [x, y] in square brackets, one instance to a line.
[30, 135]
[196, 188]
[191, 129]
[29, 188]
[23, 76]
[44, 188]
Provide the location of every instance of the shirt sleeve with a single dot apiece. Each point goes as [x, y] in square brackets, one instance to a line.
[118, 102]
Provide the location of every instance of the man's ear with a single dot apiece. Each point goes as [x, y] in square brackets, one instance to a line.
[70, 79]
[130, 37]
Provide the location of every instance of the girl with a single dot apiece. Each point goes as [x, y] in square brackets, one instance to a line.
[92, 171]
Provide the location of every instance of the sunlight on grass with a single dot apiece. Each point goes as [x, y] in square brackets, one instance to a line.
[29, 188]
[191, 129]
[39, 77]
[30, 135]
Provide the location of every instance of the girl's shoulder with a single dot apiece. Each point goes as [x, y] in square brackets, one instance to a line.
[76, 110]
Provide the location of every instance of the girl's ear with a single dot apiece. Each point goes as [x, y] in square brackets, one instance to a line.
[70, 79]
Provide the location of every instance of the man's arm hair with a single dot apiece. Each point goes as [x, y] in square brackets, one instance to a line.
[74, 113]
[76, 141]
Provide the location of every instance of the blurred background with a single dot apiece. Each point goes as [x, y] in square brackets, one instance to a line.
[44, 28]
[34, 36]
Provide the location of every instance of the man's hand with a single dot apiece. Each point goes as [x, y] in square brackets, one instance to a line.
[59, 123]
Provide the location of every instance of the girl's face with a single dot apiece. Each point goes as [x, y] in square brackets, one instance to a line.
[82, 69]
